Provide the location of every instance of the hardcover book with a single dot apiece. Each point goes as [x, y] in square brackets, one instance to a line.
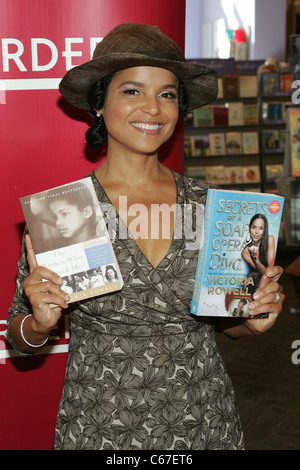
[201, 145]
[69, 236]
[204, 117]
[294, 140]
[239, 240]
[217, 143]
[251, 174]
[248, 86]
[250, 142]
[236, 114]
[234, 143]
[250, 114]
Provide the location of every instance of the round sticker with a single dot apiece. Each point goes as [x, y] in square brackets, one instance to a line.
[274, 207]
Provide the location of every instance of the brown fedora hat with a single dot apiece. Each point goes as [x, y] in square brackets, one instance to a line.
[131, 45]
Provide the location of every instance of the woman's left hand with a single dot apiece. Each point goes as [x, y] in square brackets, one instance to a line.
[267, 299]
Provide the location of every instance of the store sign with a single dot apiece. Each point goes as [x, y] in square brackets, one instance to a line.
[43, 56]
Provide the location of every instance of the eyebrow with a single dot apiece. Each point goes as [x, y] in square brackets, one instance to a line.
[141, 84]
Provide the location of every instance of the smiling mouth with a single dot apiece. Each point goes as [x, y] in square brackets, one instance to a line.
[146, 126]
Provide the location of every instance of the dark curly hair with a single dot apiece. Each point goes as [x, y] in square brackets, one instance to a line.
[96, 135]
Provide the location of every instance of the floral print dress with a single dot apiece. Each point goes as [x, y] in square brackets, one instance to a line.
[142, 372]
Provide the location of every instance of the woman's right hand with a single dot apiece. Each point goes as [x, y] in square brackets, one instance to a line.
[43, 291]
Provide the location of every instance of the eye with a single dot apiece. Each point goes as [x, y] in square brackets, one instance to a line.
[130, 92]
[169, 95]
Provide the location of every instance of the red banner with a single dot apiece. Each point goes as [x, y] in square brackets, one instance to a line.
[42, 145]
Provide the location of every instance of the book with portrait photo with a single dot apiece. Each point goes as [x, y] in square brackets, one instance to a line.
[238, 243]
[69, 237]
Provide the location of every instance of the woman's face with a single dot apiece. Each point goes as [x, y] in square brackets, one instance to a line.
[110, 273]
[257, 229]
[68, 218]
[141, 109]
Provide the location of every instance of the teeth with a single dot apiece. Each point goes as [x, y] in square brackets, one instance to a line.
[149, 127]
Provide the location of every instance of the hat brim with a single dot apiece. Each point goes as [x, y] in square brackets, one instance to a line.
[200, 81]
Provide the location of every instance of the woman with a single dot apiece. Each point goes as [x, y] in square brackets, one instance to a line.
[142, 372]
[259, 252]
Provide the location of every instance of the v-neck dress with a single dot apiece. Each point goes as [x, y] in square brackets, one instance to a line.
[142, 372]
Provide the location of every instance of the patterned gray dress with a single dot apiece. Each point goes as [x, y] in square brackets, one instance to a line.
[142, 372]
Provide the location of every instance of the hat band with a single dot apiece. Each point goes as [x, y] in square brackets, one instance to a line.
[158, 55]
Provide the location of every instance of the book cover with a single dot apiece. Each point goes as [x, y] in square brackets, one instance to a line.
[204, 117]
[248, 86]
[234, 143]
[272, 142]
[272, 112]
[251, 174]
[236, 114]
[250, 114]
[273, 172]
[250, 142]
[239, 240]
[69, 236]
[217, 143]
[294, 126]
[196, 172]
[201, 145]
[220, 88]
[220, 115]
[231, 86]
[270, 83]
[233, 175]
[215, 174]
[285, 83]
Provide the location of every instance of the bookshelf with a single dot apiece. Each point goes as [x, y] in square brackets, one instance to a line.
[238, 141]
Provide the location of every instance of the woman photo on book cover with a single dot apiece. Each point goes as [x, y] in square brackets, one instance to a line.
[259, 252]
[142, 371]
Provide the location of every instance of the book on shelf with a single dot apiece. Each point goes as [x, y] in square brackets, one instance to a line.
[204, 117]
[217, 143]
[236, 113]
[270, 83]
[215, 174]
[201, 145]
[233, 174]
[285, 83]
[293, 149]
[69, 237]
[231, 86]
[251, 174]
[273, 141]
[220, 114]
[232, 256]
[220, 88]
[272, 112]
[250, 114]
[248, 86]
[196, 172]
[234, 143]
[250, 142]
[273, 172]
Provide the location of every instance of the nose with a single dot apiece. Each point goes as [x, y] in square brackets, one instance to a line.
[150, 105]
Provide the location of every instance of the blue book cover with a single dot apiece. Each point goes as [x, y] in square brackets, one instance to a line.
[238, 243]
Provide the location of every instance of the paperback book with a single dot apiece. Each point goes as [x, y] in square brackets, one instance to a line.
[239, 240]
[69, 237]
